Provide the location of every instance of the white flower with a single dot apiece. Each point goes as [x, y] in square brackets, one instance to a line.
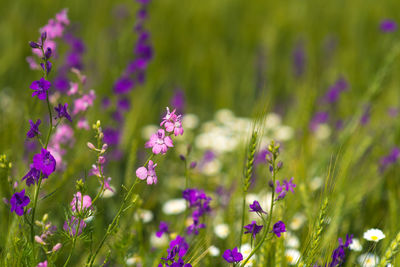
[323, 131]
[148, 130]
[133, 260]
[297, 221]
[224, 115]
[284, 133]
[214, 251]
[292, 256]
[245, 249]
[355, 245]
[158, 242]
[316, 183]
[374, 235]
[272, 120]
[144, 215]
[109, 193]
[368, 260]
[291, 241]
[190, 121]
[174, 206]
[212, 167]
[221, 230]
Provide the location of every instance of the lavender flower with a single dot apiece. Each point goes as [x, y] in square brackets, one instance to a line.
[232, 256]
[177, 247]
[388, 25]
[200, 202]
[18, 201]
[44, 162]
[335, 90]
[62, 112]
[253, 228]
[40, 88]
[278, 228]
[34, 130]
[286, 186]
[255, 207]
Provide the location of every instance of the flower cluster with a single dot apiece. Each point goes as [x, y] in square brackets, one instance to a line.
[81, 207]
[44, 239]
[43, 164]
[200, 203]
[339, 254]
[286, 186]
[177, 249]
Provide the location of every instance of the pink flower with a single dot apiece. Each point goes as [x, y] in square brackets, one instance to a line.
[83, 124]
[33, 65]
[81, 104]
[42, 264]
[47, 44]
[107, 184]
[77, 203]
[172, 122]
[159, 142]
[73, 88]
[53, 28]
[62, 17]
[150, 174]
[56, 247]
[95, 170]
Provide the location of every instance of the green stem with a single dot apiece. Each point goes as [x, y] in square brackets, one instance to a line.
[73, 242]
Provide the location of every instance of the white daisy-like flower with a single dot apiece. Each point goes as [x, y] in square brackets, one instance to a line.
[355, 245]
[374, 235]
[297, 221]
[109, 193]
[174, 206]
[224, 115]
[190, 121]
[284, 133]
[272, 120]
[368, 260]
[158, 242]
[323, 131]
[291, 241]
[316, 183]
[133, 260]
[221, 230]
[145, 216]
[212, 167]
[214, 251]
[292, 256]
[245, 249]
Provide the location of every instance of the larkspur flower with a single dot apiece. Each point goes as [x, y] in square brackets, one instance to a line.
[79, 204]
[62, 112]
[253, 228]
[278, 228]
[148, 174]
[123, 85]
[81, 104]
[71, 226]
[18, 201]
[374, 235]
[255, 207]
[286, 186]
[40, 88]
[232, 256]
[34, 130]
[159, 142]
[44, 162]
[32, 176]
[339, 254]
[289, 185]
[163, 228]
[172, 123]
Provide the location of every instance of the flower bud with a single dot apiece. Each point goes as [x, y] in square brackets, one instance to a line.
[193, 164]
[182, 157]
[91, 146]
[45, 217]
[56, 247]
[48, 53]
[102, 160]
[105, 146]
[34, 44]
[39, 240]
[43, 36]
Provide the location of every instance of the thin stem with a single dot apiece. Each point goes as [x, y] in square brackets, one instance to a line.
[73, 242]
[37, 188]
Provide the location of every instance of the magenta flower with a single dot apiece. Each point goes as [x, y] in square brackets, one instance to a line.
[78, 203]
[388, 25]
[255, 207]
[150, 174]
[278, 228]
[34, 130]
[232, 256]
[44, 162]
[18, 201]
[42, 264]
[40, 88]
[172, 122]
[159, 142]
[253, 228]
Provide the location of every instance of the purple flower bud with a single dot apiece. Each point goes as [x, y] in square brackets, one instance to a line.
[43, 36]
[48, 66]
[193, 164]
[280, 164]
[182, 157]
[271, 184]
[102, 160]
[48, 53]
[34, 44]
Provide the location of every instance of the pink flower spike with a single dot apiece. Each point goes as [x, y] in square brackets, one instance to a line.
[159, 142]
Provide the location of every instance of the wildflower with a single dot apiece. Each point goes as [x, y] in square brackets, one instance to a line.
[81, 104]
[159, 142]
[56, 247]
[232, 256]
[286, 186]
[107, 184]
[255, 207]
[221, 230]
[292, 256]
[253, 228]
[62, 112]
[78, 203]
[195, 226]
[177, 246]
[71, 226]
[289, 185]
[149, 173]
[172, 122]
[174, 206]
[32, 176]
[123, 85]
[44, 162]
[214, 251]
[18, 201]
[374, 235]
[42, 264]
[355, 245]
[335, 90]
[299, 59]
[39, 240]
[40, 88]
[297, 221]
[278, 228]
[368, 260]
[339, 254]
[388, 25]
[145, 216]
[163, 229]
[390, 159]
[34, 130]
[246, 249]
[178, 100]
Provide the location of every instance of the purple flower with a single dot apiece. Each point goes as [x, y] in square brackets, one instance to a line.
[62, 111]
[123, 85]
[339, 255]
[71, 226]
[388, 25]
[255, 207]
[111, 136]
[289, 185]
[78, 203]
[178, 100]
[34, 130]
[40, 87]
[32, 176]
[232, 256]
[278, 228]
[159, 142]
[319, 117]
[253, 228]
[18, 201]
[163, 228]
[335, 90]
[44, 162]
[148, 174]
[299, 59]
[124, 104]
[390, 159]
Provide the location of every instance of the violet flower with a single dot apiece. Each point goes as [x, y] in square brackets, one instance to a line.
[255, 207]
[18, 201]
[32, 176]
[44, 162]
[34, 130]
[71, 226]
[62, 112]
[388, 26]
[279, 228]
[232, 256]
[163, 228]
[339, 254]
[253, 228]
[40, 88]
